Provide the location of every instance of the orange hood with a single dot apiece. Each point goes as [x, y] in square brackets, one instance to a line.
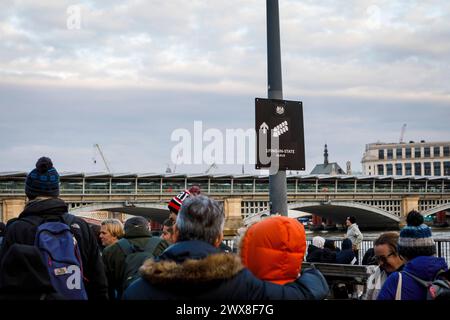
[273, 249]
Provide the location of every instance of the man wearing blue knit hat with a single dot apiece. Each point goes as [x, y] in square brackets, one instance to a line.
[416, 246]
[42, 190]
[43, 181]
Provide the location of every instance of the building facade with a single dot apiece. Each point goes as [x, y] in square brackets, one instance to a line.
[407, 159]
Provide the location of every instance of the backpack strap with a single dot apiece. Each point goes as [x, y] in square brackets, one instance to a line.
[126, 246]
[421, 281]
[398, 292]
[439, 273]
[68, 219]
[152, 244]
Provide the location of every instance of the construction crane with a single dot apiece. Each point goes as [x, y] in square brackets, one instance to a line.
[212, 166]
[180, 152]
[402, 133]
[96, 146]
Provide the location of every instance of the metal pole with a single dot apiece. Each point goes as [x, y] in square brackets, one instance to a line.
[277, 182]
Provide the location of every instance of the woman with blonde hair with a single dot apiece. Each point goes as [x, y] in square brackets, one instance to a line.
[111, 231]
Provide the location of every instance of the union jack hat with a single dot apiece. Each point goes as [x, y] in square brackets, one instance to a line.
[176, 202]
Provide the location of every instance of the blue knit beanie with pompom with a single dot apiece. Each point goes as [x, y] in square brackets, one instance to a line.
[43, 180]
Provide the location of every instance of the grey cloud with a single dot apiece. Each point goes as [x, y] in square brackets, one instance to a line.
[134, 126]
[137, 70]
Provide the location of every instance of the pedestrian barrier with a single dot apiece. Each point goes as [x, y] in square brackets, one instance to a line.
[442, 247]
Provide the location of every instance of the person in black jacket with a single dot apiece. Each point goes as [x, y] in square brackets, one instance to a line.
[42, 190]
[23, 275]
[369, 258]
[321, 251]
[329, 252]
[195, 268]
[346, 255]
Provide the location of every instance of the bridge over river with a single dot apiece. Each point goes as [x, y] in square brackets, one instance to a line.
[376, 201]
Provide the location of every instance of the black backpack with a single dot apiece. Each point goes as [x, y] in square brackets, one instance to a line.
[135, 257]
[437, 289]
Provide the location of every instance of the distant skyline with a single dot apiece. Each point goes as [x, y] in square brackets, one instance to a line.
[126, 74]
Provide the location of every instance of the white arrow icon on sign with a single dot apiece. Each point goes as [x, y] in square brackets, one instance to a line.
[264, 127]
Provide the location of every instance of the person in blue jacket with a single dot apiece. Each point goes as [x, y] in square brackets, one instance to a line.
[195, 268]
[417, 247]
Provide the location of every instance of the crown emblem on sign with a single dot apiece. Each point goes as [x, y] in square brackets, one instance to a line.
[280, 109]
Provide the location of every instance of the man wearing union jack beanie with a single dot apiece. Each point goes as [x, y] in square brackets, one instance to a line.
[176, 202]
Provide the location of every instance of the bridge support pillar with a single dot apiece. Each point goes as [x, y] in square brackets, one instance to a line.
[12, 208]
[316, 220]
[409, 203]
[233, 217]
[441, 217]
[316, 223]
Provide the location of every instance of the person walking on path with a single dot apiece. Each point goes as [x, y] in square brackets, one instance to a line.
[354, 235]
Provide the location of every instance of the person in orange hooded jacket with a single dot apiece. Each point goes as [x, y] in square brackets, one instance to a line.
[273, 249]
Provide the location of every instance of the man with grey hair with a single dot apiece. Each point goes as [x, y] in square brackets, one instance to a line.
[123, 258]
[194, 267]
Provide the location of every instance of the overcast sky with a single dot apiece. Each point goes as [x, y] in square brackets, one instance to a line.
[128, 73]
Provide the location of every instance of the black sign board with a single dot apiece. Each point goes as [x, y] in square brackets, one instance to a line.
[279, 122]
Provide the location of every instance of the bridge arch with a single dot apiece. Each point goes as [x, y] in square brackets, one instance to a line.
[434, 210]
[337, 211]
[154, 211]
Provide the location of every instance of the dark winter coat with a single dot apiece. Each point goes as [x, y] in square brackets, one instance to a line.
[23, 275]
[328, 256]
[114, 258]
[369, 258]
[423, 267]
[23, 232]
[197, 270]
[313, 253]
[324, 255]
[346, 255]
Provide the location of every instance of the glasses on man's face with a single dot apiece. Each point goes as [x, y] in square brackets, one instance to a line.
[383, 259]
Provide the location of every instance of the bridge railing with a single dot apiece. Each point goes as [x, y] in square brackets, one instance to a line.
[442, 247]
[296, 185]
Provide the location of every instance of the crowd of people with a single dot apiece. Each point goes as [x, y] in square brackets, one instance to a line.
[325, 250]
[48, 254]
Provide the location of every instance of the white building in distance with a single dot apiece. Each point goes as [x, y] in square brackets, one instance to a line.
[407, 159]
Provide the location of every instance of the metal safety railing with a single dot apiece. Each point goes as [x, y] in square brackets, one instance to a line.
[442, 247]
